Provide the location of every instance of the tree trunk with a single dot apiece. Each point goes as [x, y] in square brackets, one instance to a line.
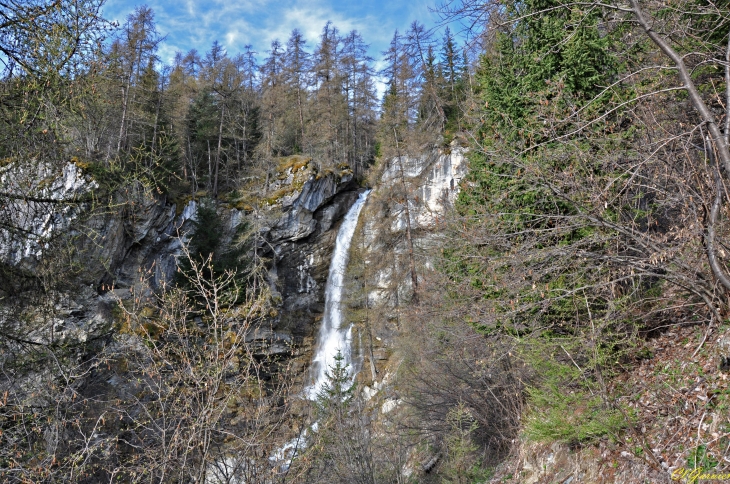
[125, 98]
[218, 153]
[409, 238]
[718, 139]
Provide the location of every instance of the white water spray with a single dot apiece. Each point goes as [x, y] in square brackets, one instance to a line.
[332, 338]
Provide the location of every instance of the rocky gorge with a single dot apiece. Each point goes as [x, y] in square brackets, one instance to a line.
[132, 252]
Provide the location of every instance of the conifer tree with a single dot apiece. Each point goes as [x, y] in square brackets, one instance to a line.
[360, 95]
[132, 52]
[247, 109]
[337, 391]
[297, 68]
[451, 70]
[419, 46]
[273, 107]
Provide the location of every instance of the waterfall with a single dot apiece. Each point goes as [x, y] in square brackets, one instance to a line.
[332, 338]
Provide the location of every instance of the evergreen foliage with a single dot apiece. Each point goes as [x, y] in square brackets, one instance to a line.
[567, 200]
[337, 392]
[342, 450]
[207, 250]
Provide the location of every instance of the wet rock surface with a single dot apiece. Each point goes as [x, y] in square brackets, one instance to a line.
[300, 266]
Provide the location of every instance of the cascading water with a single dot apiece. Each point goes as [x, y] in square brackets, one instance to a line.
[332, 339]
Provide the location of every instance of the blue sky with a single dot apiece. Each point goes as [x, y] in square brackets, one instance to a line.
[195, 24]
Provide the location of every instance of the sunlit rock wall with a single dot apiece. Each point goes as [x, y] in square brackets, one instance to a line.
[39, 200]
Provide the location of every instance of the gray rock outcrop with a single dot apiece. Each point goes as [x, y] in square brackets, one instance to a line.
[132, 246]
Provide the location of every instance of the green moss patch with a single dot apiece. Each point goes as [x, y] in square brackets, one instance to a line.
[295, 162]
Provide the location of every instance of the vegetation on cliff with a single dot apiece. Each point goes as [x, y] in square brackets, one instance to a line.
[591, 221]
[579, 296]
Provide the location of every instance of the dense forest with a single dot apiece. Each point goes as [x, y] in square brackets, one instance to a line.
[575, 295]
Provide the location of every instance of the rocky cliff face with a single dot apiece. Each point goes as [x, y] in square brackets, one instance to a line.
[429, 185]
[130, 247]
[300, 247]
[381, 285]
[42, 199]
[432, 180]
[141, 239]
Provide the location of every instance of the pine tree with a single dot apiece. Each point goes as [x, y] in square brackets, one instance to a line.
[419, 45]
[399, 102]
[246, 129]
[329, 102]
[451, 70]
[221, 77]
[335, 396]
[296, 68]
[360, 95]
[273, 106]
[132, 53]
[342, 450]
